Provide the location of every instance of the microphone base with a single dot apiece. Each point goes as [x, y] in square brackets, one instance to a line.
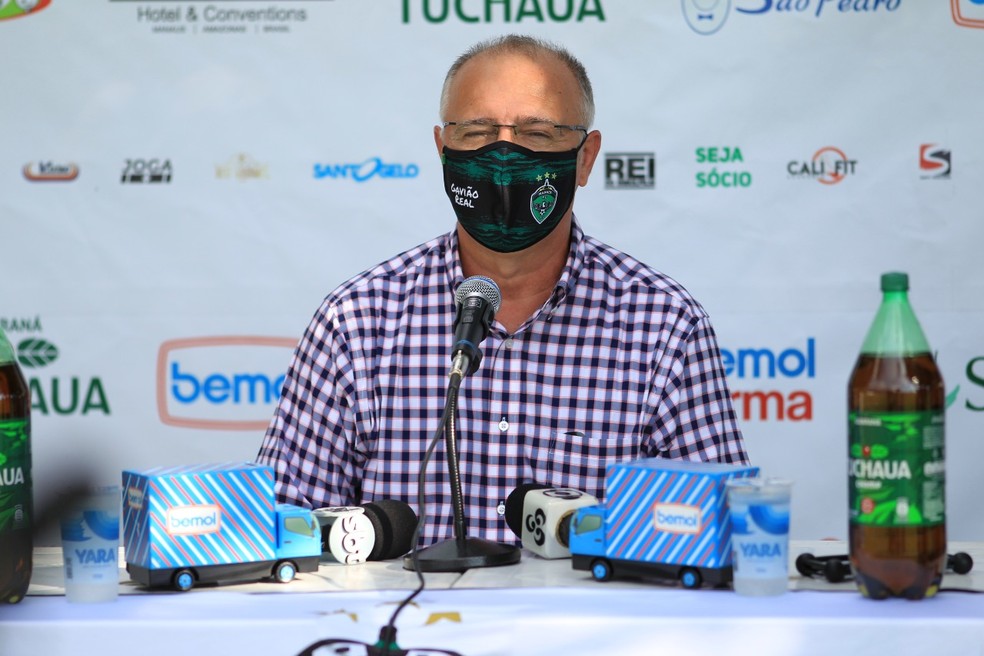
[450, 556]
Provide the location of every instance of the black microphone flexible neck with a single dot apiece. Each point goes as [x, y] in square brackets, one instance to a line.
[477, 301]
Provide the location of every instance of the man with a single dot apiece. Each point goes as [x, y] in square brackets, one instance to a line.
[593, 358]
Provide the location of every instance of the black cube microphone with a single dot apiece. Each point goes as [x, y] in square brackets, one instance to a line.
[378, 530]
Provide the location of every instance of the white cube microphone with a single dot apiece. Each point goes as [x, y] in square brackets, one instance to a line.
[347, 534]
[541, 517]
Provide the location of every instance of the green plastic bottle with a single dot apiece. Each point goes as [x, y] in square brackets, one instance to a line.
[896, 505]
[16, 501]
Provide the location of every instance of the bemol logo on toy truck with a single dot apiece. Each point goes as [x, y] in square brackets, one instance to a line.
[193, 520]
[213, 523]
[661, 518]
[677, 518]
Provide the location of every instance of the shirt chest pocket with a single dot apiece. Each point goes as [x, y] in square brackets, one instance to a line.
[574, 459]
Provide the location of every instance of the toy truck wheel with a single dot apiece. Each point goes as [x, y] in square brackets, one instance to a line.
[284, 571]
[690, 578]
[184, 580]
[601, 570]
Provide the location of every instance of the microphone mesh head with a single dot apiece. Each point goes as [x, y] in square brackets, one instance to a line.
[514, 505]
[394, 522]
[479, 286]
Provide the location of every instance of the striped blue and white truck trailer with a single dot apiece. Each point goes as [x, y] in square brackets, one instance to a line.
[664, 519]
[213, 523]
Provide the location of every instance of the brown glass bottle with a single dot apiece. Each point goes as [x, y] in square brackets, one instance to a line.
[16, 505]
[896, 403]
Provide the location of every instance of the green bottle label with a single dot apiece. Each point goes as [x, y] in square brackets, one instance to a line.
[896, 469]
[15, 474]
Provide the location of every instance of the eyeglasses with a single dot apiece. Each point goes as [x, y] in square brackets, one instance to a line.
[333, 646]
[535, 135]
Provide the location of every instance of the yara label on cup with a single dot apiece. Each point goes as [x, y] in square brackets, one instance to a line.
[759, 537]
[90, 541]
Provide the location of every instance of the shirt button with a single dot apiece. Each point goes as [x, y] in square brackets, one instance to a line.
[508, 343]
[503, 425]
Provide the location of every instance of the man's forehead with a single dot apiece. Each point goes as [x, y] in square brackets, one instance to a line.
[546, 77]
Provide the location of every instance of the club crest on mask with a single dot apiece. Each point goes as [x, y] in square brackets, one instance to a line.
[544, 200]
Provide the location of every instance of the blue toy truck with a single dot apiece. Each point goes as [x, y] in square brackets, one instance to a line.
[663, 519]
[213, 524]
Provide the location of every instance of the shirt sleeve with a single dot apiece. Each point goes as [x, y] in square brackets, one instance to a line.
[693, 416]
[311, 442]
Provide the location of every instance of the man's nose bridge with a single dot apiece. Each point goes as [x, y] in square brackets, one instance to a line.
[510, 133]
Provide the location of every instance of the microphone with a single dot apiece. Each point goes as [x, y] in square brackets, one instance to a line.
[394, 523]
[541, 517]
[373, 531]
[476, 302]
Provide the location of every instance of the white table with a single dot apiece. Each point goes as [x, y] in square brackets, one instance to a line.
[536, 607]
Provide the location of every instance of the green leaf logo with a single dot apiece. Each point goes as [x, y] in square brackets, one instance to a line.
[36, 352]
[952, 396]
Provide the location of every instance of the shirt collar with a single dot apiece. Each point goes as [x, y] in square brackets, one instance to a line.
[452, 263]
[575, 262]
[568, 277]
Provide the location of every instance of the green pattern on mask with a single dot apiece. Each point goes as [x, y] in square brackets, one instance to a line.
[508, 197]
[507, 168]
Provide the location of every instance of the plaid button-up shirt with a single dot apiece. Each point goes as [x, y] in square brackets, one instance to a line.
[620, 363]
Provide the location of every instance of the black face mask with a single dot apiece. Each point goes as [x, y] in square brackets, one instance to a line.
[508, 197]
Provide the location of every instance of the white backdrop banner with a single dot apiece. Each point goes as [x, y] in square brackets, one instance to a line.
[181, 183]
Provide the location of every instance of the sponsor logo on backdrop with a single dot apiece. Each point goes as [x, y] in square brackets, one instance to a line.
[374, 167]
[975, 376]
[722, 168]
[146, 171]
[974, 373]
[828, 166]
[968, 13]
[222, 382]
[18, 8]
[49, 171]
[630, 170]
[757, 365]
[52, 393]
[212, 17]
[708, 16]
[241, 167]
[503, 11]
[934, 161]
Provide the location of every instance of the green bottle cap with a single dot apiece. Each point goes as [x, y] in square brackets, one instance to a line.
[895, 281]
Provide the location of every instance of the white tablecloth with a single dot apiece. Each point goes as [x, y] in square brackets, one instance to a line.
[537, 608]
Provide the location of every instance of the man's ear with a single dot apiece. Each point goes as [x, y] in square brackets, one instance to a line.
[587, 156]
[437, 139]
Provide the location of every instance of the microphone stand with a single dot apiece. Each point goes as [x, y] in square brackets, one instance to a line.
[462, 552]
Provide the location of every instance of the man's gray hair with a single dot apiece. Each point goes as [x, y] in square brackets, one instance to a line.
[533, 48]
